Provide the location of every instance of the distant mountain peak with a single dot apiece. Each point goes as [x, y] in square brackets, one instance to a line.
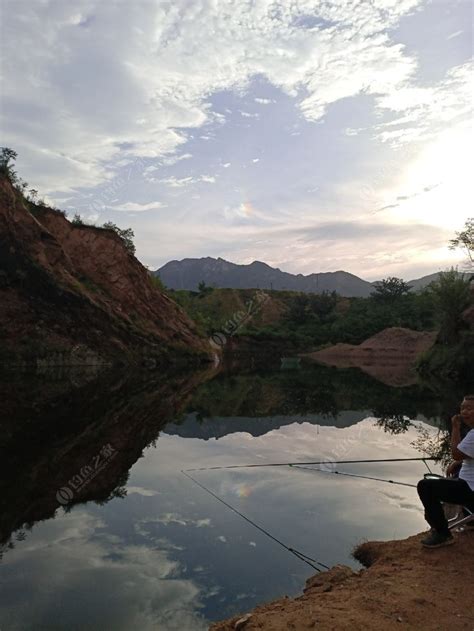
[217, 272]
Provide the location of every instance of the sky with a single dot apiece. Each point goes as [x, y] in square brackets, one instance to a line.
[314, 135]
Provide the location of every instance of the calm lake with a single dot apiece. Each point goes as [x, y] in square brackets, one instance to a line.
[101, 530]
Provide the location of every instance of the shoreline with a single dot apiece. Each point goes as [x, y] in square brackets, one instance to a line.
[403, 585]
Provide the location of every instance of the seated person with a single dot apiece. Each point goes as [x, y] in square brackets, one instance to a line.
[433, 492]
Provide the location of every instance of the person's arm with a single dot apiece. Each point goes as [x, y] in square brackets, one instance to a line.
[453, 469]
[456, 438]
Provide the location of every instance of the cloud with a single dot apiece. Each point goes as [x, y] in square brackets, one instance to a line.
[135, 207]
[264, 101]
[422, 112]
[404, 198]
[174, 518]
[141, 586]
[83, 104]
[175, 182]
[455, 34]
[174, 159]
[138, 490]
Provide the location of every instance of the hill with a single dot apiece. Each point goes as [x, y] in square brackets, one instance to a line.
[74, 294]
[188, 273]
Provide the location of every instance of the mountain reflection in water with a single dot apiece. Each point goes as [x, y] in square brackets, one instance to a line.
[95, 536]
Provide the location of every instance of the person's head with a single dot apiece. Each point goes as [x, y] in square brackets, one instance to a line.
[467, 410]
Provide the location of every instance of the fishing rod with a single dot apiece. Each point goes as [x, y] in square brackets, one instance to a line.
[302, 557]
[355, 475]
[321, 462]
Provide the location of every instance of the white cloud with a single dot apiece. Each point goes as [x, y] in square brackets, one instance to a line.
[422, 112]
[175, 182]
[208, 178]
[174, 518]
[263, 101]
[135, 207]
[256, 160]
[174, 159]
[133, 78]
[138, 490]
[144, 583]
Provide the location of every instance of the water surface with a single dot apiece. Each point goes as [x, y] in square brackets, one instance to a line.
[132, 543]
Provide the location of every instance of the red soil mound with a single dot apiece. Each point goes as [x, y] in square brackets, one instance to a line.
[389, 356]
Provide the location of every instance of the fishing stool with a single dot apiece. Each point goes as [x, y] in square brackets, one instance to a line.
[464, 516]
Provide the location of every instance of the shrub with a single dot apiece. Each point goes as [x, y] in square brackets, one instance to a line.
[126, 234]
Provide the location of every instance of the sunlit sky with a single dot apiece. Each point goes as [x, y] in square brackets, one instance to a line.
[314, 135]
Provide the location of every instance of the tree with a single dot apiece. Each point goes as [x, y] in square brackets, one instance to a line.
[7, 155]
[204, 289]
[126, 234]
[323, 304]
[77, 220]
[465, 240]
[390, 289]
[7, 159]
[298, 309]
[452, 295]
[32, 195]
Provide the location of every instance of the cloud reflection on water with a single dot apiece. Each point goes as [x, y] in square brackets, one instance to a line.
[169, 556]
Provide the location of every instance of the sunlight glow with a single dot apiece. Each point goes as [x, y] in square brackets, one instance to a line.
[437, 184]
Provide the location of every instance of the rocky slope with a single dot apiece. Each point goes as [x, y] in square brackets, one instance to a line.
[73, 294]
[404, 587]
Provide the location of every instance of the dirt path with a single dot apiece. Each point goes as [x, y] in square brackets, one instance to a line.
[389, 356]
[404, 587]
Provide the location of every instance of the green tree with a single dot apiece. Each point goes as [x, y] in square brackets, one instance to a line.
[465, 240]
[126, 234]
[323, 304]
[204, 289]
[452, 296]
[157, 282]
[7, 160]
[390, 289]
[77, 220]
[298, 309]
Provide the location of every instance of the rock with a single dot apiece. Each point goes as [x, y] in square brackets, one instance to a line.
[240, 624]
[325, 581]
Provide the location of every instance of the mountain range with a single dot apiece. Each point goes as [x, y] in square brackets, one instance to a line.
[188, 273]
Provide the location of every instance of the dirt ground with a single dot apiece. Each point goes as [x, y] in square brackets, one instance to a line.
[388, 356]
[405, 587]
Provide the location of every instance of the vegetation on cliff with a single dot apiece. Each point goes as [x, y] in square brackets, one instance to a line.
[75, 294]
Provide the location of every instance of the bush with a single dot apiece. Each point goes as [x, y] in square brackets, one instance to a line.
[126, 234]
[77, 220]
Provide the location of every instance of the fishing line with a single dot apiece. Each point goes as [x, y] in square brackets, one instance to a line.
[321, 462]
[302, 557]
[355, 475]
[427, 465]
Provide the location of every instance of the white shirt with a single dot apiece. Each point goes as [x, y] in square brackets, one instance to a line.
[467, 469]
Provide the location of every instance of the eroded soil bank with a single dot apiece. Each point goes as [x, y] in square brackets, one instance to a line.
[389, 356]
[404, 586]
